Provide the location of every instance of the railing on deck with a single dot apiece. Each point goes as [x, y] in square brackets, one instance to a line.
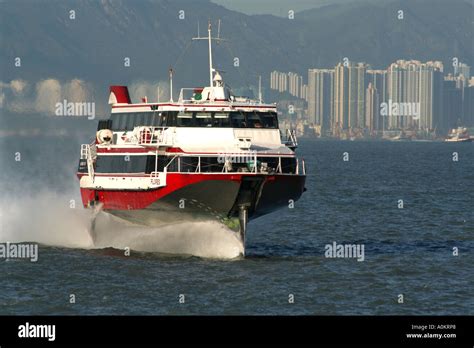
[89, 153]
[290, 139]
[154, 136]
[246, 163]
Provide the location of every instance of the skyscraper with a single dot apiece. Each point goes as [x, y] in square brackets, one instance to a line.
[320, 97]
[304, 92]
[452, 101]
[378, 79]
[371, 108]
[468, 106]
[431, 97]
[341, 97]
[288, 82]
[295, 84]
[415, 95]
[361, 69]
[274, 80]
[403, 80]
[349, 95]
[282, 82]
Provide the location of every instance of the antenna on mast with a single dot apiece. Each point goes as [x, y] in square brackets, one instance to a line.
[260, 89]
[210, 38]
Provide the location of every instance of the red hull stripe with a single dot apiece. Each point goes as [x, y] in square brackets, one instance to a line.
[128, 200]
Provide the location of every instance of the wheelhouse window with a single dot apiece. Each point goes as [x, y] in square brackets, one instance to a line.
[269, 120]
[237, 120]
[234, 119]
[203, 119]
[253, 120]
[185, 119]
[221, 119]
[169, 118]
[127, 121]
[155, 119]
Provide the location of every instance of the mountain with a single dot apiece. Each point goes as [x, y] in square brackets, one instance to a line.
[93, 46]
[429, 30]
[278, 7]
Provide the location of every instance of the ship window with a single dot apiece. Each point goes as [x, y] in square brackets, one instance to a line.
[104, 124]
[288, 165]
[164, 119]
[122, 123]
[139, 120]
[121, 164]
[169, 118]
[150, 164]
[185, 115]
[253, 120]
[116, 121]
[221, 119]
[237, 120]
[203, 119]
[160, 163]
[130, 122]
[185, 119]
[172, 118]
[221, 115]
[211, 164]
[189, 164]
[146, 119]
[269, 120]
[155, 119]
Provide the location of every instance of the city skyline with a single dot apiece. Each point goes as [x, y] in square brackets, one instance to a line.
[407, 95]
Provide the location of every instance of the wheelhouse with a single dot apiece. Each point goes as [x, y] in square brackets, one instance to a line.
[126, 121]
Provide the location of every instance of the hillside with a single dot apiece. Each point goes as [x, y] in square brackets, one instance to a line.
[93, 46]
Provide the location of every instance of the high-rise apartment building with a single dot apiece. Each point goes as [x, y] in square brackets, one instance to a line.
[349, 95]
[320, 97]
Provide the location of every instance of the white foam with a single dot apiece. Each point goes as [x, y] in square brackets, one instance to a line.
[45, 218]
[209, 239]
[48, 219]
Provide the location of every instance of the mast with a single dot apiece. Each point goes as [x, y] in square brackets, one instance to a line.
[209, 38]
[210, 53]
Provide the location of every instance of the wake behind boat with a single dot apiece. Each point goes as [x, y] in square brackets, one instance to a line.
[209, 155]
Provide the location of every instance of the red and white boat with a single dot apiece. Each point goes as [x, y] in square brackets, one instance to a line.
[208, 155]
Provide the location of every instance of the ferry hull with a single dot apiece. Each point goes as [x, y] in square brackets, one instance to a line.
[200, 196]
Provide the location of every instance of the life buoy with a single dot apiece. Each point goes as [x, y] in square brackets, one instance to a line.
[104, 136]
